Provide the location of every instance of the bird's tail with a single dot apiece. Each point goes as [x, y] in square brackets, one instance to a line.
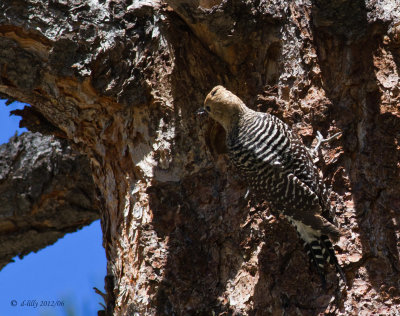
[320, 251]
[319, 246]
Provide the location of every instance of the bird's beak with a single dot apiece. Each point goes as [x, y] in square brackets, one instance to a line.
[201, 111]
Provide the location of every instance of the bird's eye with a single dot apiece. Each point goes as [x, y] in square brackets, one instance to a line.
[208, 109]
[214, 92]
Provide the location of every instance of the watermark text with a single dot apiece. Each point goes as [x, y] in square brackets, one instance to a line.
[36, 303]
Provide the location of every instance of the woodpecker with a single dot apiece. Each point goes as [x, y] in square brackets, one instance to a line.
[279, 168]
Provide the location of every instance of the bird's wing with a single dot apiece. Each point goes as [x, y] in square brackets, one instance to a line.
[301, 196]
[303, 204]
[300, 162]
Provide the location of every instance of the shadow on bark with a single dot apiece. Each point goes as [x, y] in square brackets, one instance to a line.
[199, 216]
[348, 46]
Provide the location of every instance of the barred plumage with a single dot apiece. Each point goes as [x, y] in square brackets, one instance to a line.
[279, 168]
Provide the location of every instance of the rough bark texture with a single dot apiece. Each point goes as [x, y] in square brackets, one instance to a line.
[122, 81]
[46, 191]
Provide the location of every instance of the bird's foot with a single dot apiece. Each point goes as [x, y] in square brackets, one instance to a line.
[321, 140]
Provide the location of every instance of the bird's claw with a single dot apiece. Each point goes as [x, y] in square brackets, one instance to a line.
[246, 195]
[321, 140]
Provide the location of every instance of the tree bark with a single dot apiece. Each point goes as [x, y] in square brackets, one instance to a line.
[46, 191]
[122, 80]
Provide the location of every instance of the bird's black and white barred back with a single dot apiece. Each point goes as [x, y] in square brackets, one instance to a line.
[280, 169]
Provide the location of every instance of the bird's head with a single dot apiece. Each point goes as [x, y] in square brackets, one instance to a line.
[223, 106]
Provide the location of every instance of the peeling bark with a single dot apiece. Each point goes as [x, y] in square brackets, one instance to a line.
[122, 81]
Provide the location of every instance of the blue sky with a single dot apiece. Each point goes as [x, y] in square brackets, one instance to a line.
[64, 272]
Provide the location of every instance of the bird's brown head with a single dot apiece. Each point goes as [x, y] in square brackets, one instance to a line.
[223, 106]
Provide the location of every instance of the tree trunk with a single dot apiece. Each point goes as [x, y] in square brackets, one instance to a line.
[122, 81]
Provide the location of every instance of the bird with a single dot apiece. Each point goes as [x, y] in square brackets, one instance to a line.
[279, 168]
